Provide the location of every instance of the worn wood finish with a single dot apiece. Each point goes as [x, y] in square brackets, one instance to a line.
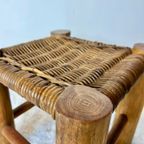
[22, 108]
[83, 116]
[61, 33]
[117, 129]
[138, 48]
[13, 136]
[40, 70]
[6, 115]
[131, 106]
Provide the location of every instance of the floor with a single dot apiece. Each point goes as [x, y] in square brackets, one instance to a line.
[38, 127]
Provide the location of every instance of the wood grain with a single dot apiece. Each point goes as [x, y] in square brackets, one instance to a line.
[40, 70]
[131, 106]
[138, 48]
[83, 116]
[61, 33]
[6, 115]
[117, 129]
[22, 109]
[13, 136]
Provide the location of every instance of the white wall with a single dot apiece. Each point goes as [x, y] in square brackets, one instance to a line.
[22, 20]
[114, 21]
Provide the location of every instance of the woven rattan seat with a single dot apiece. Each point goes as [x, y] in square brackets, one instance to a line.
[40, 70]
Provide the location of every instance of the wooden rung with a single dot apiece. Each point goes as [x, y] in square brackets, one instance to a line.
[117, 128]
[13, 136]
[22, 108]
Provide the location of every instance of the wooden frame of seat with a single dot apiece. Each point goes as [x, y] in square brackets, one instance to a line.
[80, 121]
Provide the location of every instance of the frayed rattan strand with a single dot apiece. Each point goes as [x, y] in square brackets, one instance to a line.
[36, 71]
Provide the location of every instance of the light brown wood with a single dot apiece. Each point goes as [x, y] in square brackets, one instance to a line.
[117, 129]
[138, 48]
[131, 106]
[61, 33]
[6, 115]
[13, 136]
[22, 108]
[82, 116]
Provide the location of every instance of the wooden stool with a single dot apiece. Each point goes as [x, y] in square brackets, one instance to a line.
[79, 82]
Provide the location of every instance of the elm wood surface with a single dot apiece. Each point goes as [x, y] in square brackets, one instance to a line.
[131, 106]
[117, 128]
[13, 136]
[61, 33]
[22, 108]
[139, 48]
[41, 70]
[6, 114]
[83, 116]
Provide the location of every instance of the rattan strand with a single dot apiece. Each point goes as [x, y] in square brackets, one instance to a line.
[40, 70]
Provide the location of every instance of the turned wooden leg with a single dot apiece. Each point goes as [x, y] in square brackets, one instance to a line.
[138, 48]
[61, 33]
[129, 110]
[6, 114]
[82, 116]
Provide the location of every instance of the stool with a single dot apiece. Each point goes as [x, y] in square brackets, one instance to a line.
[79, 82]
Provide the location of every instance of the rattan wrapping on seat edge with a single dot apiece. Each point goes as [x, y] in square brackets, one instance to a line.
[40, 70]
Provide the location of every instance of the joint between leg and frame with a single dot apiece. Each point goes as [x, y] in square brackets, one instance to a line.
[82, 116]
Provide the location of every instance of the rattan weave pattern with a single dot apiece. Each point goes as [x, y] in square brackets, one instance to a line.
[40, 70]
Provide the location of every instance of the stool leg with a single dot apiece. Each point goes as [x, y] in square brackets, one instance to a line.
[131, 106]
[61, 33]
[83, 116]
[6, 114]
